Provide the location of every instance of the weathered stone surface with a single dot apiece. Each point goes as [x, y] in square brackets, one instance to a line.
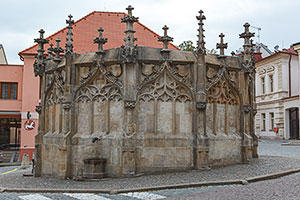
[145, 110]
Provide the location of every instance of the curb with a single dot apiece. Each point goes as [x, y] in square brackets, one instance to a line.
[272, 176]
[152, 188]
[10, 164]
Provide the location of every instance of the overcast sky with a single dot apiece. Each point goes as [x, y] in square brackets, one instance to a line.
[20, 20]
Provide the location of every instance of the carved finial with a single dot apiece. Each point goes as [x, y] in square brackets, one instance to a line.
[222, 45]
[129, 8]
[41, 41]
[201, 43]
[58, 49]
[100, 40]
[129, 20]
[165, 39]
[247, 36]
[248, 59]
[39, 66]
[50, 50]
[69, 45]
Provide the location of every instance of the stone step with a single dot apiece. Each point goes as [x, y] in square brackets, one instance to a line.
[7, 156]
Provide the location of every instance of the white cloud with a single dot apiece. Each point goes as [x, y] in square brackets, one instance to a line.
[22, 19]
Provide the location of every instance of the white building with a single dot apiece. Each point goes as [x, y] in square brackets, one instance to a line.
[277, 95]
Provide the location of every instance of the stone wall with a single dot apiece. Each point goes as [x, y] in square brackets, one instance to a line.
[145, 110]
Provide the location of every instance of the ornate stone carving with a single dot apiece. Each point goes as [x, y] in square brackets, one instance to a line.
[88, 75]
[94, 93]
[201, 105]
[222, 93]
[129, 53]
[130, 104]
[115, 70]
[110, 77]
[67, 105]
[147, 69]
[165, 39]
[55, 88]
[181, 73]
[39, 64]
[69, 44]
[165, 88]
[247, 108]
[201, 44]
[38, 109]
[155, 73]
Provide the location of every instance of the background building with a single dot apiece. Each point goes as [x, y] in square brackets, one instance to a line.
[11, 81]
[277, 95]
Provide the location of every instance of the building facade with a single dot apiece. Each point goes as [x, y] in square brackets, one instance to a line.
[140, 109]
[277, 95]
[18, 125]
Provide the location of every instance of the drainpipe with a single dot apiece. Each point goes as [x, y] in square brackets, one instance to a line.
[290, 84]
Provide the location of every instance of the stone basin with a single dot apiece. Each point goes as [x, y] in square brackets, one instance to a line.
[94, 168]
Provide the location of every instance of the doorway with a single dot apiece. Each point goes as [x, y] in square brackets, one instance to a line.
[294, 123]
[10, 133]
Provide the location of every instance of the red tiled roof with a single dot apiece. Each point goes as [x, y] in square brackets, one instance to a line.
[290, 51]
[85, 30]
[257, 56]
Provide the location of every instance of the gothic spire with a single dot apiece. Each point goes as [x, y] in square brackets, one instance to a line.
[222, 45]
[39, 64]
[129, 20]
[41, 41]
[247, 36]
[50, 51]
[100, 40]
[58, 49]
[69, 45]
[201, 43]
[165, 39]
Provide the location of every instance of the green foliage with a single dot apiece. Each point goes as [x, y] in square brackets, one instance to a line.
[187, 46]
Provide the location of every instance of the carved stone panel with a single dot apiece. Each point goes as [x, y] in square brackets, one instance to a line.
[222, 93]
[128, 162]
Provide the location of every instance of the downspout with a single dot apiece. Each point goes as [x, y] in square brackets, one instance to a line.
[290, 84]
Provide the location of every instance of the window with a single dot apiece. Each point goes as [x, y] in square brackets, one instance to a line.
[8, 90]
[271, 121]
[263, 85]
[271, 83]
[263, 121]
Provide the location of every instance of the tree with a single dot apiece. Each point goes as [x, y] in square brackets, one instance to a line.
[187, 46]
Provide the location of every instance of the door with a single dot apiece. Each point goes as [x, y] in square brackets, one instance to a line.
[294, 123]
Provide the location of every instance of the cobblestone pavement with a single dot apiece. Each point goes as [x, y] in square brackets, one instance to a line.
[283, 188]
[274, 148]
[261, 166]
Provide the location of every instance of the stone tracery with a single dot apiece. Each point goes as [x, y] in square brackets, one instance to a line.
[150, 109]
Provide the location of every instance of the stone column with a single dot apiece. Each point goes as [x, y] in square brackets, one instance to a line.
[69, 108]
[201, 144]
[130, 68]
[247, 86]
[39, 70]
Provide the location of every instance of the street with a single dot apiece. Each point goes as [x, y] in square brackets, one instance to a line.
[282, 188]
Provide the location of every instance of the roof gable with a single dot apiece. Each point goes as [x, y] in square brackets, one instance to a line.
[85, 31]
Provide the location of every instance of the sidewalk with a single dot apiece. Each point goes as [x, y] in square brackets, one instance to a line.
[216, 176]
